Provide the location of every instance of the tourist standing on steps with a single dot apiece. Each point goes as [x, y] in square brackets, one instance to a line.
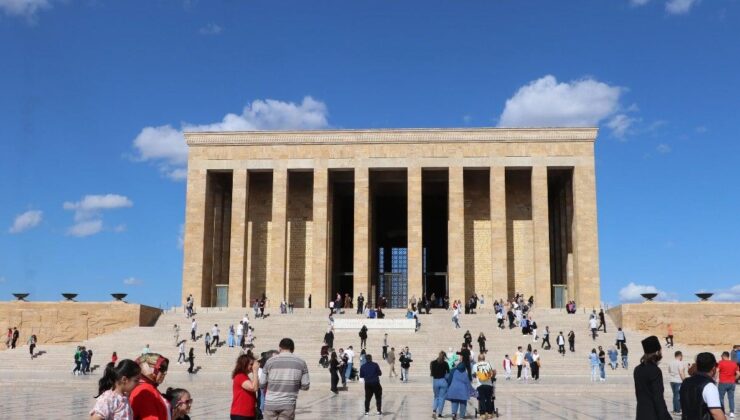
[329, 338]
[405, 360]
[240, 334]
[114, 358]
[459, 391]
[363, 337]
[191, 360]
[245, 384]
[193, 329]
[621, 338]
[482, 343]
[699, 394]
[114, 387]
[625, 355]
[8, 338]
[334, 372]
[438, 370]
[593, 326]
[669, 336]
[649, 383]
[602, 320]
[507, 367]
[676, 376]
[602, 364]
[391, 359]
[612, 353]
[370, 373]
[728, 372]
[282, 377]
[15, 337]
[546, 339]
[176, 333]
[486, 374]
[146, 401]
[32, 344]
[561, 344]
[181, 356]
[456, 317]
[350, 353]
[519, 362]
[207, 341]
[360, 303]
[385, 346]
[468, 338]
[536, 365]
[215, 335]
[593, 359]
[572, 340]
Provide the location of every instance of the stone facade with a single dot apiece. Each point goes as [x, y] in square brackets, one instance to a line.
[71, 322]
[280, 212]
[706, 324]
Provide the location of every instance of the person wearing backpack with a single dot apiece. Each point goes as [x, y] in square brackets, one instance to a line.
[486, 374]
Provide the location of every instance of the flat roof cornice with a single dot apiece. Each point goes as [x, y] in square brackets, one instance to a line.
[403, 135]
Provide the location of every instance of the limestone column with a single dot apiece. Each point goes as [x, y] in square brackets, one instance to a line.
[276, 279]
[456, 235]
[499, 266]
[360, 262]
[194, 236]
[585, 238]
[239, 196]
[414, 242]
[320, 244]
[541, 226]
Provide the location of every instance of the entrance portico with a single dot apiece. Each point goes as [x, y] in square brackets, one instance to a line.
[399, 213]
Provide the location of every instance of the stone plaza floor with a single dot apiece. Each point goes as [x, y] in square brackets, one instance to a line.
[36, 395]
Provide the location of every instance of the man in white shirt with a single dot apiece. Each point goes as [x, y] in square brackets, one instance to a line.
[350, 359]
[239, 333]
[193, 329]
[181, 357]
[593, 325]
[676, 375]
[561, 344]
[699, 393]
[519, 361]
[215, 335]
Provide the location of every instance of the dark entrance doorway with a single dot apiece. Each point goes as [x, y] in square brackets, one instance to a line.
[389, 227]
[341, 233]
[434, 233]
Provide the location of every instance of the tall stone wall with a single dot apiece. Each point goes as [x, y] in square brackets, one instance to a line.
[259, 221]
[69, 322]
[477, 234]
[300, 238]
[520, 233]
[709, 324]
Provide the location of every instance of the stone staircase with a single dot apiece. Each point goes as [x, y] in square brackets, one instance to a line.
[307, 327]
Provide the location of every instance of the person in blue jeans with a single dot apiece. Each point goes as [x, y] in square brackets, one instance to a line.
[438, 370]
[459, 390]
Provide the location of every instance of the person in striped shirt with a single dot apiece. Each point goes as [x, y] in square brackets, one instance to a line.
[282, 377]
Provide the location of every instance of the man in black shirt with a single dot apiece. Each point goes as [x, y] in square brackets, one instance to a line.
[360, 303]
[370, 373]
[649, 383]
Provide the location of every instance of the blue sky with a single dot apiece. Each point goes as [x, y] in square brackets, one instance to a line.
[94, 95]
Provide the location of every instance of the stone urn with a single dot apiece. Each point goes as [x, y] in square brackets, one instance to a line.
[704, 296]
[21, 296]
[119, 296]
[69, 296]
[649, 296]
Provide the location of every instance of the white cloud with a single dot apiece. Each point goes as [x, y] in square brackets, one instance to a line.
[210, 29]
[663, 149]
[85, 228]
[631, 293]
[619, 124]
[88, 213]
[679, 7]
[729, 295]
[165, 145]
[132, 281]
[24, 8]
[27, 220]
[545, 102]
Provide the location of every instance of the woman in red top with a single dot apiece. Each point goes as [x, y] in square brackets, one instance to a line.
[114, 358]
[245, 388]
[146, 402]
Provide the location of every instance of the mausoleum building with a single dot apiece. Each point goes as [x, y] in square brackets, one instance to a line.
[398, 213]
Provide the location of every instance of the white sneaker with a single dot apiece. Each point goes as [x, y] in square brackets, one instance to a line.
[732, 415]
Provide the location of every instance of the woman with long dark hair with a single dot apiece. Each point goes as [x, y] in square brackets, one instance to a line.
[113, 390]
[191, 359]
[244, 387]
[334, 371]
[439, 370]
[180, 402]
